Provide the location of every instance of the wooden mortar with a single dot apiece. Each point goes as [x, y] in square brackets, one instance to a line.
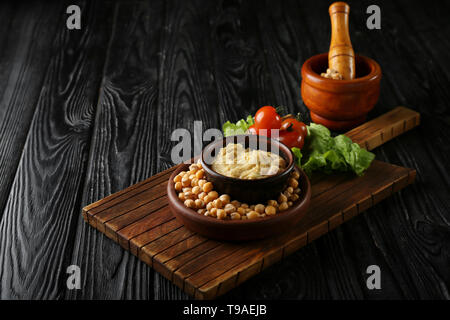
[340, 104]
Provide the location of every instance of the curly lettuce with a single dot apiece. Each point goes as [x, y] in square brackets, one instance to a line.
[328, 154]
[240, 127]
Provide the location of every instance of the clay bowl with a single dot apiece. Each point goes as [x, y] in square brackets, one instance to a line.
[249, 191]
[340, 104]
[239, 230]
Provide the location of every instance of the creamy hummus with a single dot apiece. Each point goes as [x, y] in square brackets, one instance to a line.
[236, 162]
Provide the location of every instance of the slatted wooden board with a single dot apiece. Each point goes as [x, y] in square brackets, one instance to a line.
[138, 218]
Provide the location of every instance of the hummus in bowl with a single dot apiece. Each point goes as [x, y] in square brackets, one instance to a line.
[249, 168]
[235, 161]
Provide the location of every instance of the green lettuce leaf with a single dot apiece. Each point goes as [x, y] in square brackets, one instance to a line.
[297, 156]
[240, 127]
[324, 153]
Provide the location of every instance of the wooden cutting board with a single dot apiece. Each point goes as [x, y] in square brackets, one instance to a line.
[139, 219]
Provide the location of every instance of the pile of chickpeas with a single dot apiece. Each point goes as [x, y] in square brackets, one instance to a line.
[198, 194]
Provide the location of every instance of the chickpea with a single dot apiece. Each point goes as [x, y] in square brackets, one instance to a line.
[241, 211]
[213, 195]
[247, 210]
[218, 204]
[189, 203]
[236, 203]
[186, 189]
[201, 211]
[272, 203]
[295, 175]
[177, 178]
[193, 168]
[181, 196]
[283, 206]
[297, 190]
[199, 174]
[182, 173]
[262, 215]
[199, 204]
[293, 183]
[221, 214]
[290, 190]
[189, 195]
[225, 199]
[252, 207]
[186, 182]
[201, 195]
[196, 190]
[199, 164]
[178, 186]
[207, 213]
[270, 210]
[194, 182]
[290, 203]
[259, 208]
[207, 187]
[191, 176]
[235, 216]
[229, 208]
[244, 218]
[282, 198]
[209, 206]
[294, 197]
[201, 183]
[207, 199]
[213, 212]
[252, 215]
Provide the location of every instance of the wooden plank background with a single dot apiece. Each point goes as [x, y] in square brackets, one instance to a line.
[86, 113]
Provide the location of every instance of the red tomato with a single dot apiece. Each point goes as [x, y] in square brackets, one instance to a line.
[295, 125]
[267, 118]
[292, 138]
[252, 129]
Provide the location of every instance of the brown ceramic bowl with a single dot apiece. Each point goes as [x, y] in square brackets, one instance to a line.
[340, 104]
[239, 230]
[244, 190]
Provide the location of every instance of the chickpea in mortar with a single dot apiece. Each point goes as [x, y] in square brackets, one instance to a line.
[198, 194]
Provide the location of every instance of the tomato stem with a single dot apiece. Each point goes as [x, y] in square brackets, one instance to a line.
[280, 109]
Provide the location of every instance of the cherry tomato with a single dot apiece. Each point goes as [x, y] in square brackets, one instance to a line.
[252, 129]
[292, 138]
[295, 125]
[267, 118]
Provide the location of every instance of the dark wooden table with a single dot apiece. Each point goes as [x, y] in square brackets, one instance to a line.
[85, 113]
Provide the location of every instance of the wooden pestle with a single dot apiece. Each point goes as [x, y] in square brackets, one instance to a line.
[341, 56]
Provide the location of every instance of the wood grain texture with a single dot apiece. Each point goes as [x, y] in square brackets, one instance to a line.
[253, 51]
[23, 64]
[36, 229]
[122, 150]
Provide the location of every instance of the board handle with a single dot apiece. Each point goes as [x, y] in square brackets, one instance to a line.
[341, 56]
[384, 128]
